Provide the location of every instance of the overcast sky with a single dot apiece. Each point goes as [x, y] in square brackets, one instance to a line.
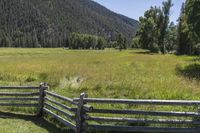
[136, 8]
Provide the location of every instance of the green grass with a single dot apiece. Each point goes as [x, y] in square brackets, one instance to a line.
[108, 74]
[23, 123]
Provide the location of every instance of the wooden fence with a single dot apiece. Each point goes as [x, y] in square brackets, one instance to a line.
[80, 116]
[185, 122]
[26, 97]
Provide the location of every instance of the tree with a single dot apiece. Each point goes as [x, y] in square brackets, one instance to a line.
[85, 41]
[171, 38]
[149, 31]
[188, 32]
[193, 15]
[135, 43]
[35, 39]
[101, 43]
[182, 33]
[5, 42]
[193, 22]
[125, 43]
[164, 24]
[120, 41]
[154, 27]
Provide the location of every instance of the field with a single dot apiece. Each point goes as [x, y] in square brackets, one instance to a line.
[109, 73]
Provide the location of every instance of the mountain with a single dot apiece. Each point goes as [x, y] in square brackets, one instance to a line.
[48, 23]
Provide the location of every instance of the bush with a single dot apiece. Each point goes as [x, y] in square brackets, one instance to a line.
[197, 49]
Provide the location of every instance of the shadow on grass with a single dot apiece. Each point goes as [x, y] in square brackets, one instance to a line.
[40, 122]
[143, 52]
[191, 71]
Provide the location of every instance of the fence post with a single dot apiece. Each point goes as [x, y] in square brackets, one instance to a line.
[80, 114]
[198, 118]
[41, 99]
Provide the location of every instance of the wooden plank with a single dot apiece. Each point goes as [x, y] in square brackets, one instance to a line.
[18, 104]
[19, 93]
[143, 129]
[20, 87]
[79, 114]
[60, 97]
[19, 99]
[59, 118]
[47, 99]
[148, 121]
[141, 101]
[41, 100]
[70, 116]
[86, 107]
[141, 112]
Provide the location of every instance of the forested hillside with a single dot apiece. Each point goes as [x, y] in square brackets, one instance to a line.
[48, 23]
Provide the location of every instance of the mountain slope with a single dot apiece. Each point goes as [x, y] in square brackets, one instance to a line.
[47, 23]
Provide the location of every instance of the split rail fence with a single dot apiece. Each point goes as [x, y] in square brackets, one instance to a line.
[85, 114]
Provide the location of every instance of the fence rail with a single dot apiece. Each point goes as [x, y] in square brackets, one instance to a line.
[142, 102]
[83, 114]
[20, 87]
[27, 98]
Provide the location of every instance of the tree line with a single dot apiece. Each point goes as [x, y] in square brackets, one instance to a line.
[158, 34]
[61, 39]
[86, 41]
[34, 39]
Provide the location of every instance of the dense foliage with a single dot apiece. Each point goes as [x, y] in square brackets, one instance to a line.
[154, 27]
[193, 21]
[84, 41]
[188, 28]
[121, 42]
[158, 35]
[48, 23]
[183, 40]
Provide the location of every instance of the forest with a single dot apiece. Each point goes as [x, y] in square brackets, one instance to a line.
[42, 23]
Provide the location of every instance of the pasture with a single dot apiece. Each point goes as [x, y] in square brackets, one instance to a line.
[134, 74]
[108, 73]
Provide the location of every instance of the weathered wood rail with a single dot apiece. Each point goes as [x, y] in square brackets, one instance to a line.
[27, 98]
[188, 125]
[80, 116]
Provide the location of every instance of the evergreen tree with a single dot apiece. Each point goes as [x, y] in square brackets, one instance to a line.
[120, 41]
[5, 42]
[35, 43]
[193, 16]
[182, 33]
[188, 33]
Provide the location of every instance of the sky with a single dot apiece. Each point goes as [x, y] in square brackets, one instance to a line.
[136, 8]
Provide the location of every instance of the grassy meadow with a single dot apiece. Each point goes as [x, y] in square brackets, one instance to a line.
[108, 73]
[135, 74]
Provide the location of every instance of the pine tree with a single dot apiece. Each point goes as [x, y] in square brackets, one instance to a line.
[120, 41]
